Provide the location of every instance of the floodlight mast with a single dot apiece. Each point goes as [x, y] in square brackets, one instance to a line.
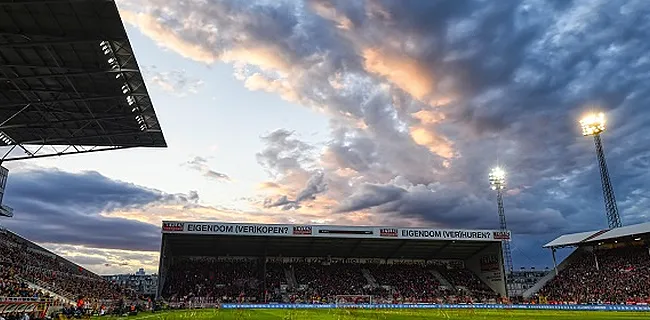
[498, 183]
[594, 125]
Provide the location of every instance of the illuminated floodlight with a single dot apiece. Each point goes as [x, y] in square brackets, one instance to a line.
[497, 179]
[593, 124]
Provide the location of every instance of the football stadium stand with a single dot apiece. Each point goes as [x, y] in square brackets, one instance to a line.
[69, 84]
[607, 267]
[31, 276]
[204, 262]
[24, 262]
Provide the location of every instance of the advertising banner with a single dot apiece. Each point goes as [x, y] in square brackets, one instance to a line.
[218, 228]
[565, 307]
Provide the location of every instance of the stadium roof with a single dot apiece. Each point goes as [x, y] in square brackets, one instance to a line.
[224, 239]
[577, 239]
[69, 79]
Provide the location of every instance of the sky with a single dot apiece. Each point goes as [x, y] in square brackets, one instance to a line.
[368, 112]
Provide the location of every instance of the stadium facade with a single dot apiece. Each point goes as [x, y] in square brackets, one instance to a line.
[476, 250]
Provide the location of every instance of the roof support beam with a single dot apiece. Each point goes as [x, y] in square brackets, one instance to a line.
[56, 154]
[4, 45]
[53, 124]
[480, 249]
[354, 248]
[42, 65]
[394, 252]
[26, 2]
[45, 102]
[437, 252]
[70, 74]
[71, 140]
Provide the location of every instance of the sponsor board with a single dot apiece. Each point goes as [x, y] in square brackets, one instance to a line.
[253, 229]
[173, 226]
[501, 235]
[302, 230]
[345, 231]
[446, 234]
[489, 263]
[388, 232]
[219, 228]
[559, 307]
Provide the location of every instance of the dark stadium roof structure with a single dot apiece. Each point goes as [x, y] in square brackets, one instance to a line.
[273, 246]
[69, 81]
[632, 232]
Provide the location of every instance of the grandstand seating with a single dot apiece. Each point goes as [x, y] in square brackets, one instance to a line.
[12, 286]
[212, 280]
[411, 281]
[333, 279]
[22, 261]
[622, 276]
[465, 279]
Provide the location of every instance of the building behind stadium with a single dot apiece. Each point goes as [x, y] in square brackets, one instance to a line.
[141, 282]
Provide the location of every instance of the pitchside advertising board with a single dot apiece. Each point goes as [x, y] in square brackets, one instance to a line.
[561, 307]
[283, 230]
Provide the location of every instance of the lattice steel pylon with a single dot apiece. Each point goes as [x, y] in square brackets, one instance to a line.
[594, 125]
[498, 183]
[611, 209]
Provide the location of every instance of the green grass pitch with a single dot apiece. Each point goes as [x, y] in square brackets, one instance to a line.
[385, 314]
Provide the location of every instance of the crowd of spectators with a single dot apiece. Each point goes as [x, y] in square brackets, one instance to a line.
[466, 279]
[275, 280]
[616, 276]
[21, 259]
[331, 279]
[224, 280]
[14, 287]
[410, 281]
[207, 280]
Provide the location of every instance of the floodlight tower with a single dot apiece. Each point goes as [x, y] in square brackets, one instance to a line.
[498, 183]
[594, 125]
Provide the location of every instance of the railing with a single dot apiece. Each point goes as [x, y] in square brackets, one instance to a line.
[43, 286]
[19, 305]
[26, 299]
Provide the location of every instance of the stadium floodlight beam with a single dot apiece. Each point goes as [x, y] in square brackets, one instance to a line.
[498, 183]
[594, 125]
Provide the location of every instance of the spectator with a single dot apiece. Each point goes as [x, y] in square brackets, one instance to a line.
[622, 276]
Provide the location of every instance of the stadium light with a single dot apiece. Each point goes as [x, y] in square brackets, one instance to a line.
[497, 179]
[593, 124]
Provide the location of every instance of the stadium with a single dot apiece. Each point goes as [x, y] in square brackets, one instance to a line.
[330, 264]
[71, 85]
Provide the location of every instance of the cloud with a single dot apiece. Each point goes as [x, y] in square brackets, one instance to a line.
[154, 28]
[106, 225]
[425, 97]
[284, 157]
[107, 261]
[46, 212]
[200, 164]
[174, 81]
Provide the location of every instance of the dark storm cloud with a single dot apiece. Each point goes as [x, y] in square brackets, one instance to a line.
[516, 76]
[60, 207]
[524, 74]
